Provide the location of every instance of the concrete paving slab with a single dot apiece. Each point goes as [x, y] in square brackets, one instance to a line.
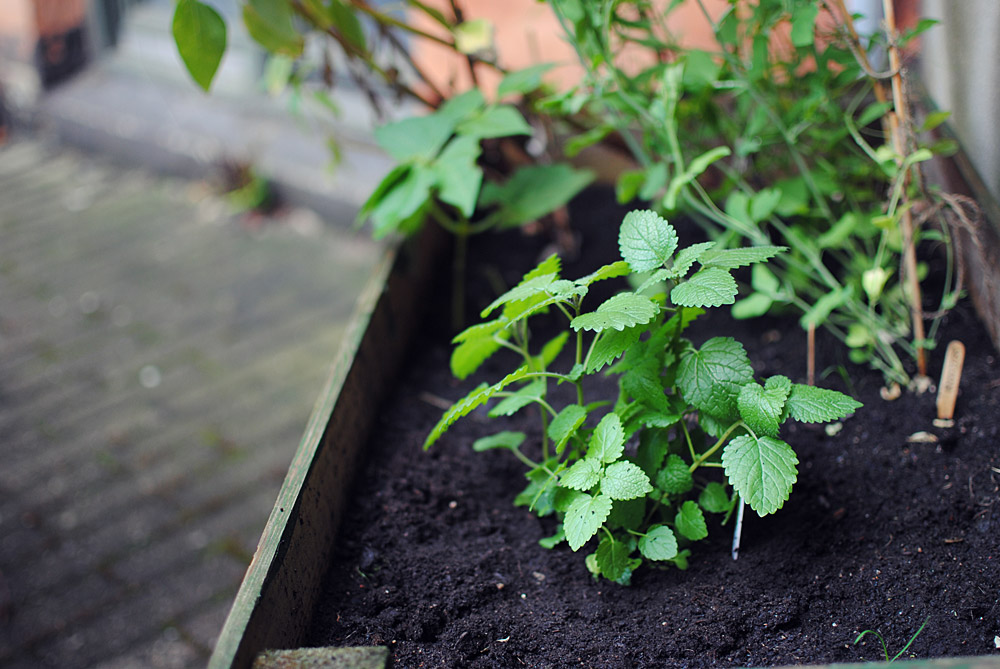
[159, 357]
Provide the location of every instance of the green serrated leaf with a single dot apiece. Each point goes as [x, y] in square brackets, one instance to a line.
[608, 441]
[687, 257]
[690, 521]
[627, 513]
[624, 480]
[612, 558]
[470, 402]
[565, 424]
[675, 477]
[644, 383]
[529, 288]
[560, 290]
[565, 497]
[808, 404]
[710, 287]
[780, 384]
[646, 240]
[659, 543]
[741, 257]
[761, 409]
[200, 34]
[529, 394]
[475, 345]
[618, 312]
[714, 498]
[541, 493]
[584, 518]
[653, 447]
[761, 470]
[611, 271]
[506, 439]
[611, 344]
[655, 280]
[710, 378]
[583, 475]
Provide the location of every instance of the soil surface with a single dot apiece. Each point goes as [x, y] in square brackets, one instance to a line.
[881, 532]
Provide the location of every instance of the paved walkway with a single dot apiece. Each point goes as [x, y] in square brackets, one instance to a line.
[159, 357]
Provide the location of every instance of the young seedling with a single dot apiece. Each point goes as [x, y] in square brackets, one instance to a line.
[885, 648]
[625, 477]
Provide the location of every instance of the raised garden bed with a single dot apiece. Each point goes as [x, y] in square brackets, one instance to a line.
[435, 563]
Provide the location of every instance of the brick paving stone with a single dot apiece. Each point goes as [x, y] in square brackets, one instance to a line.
[142, 615]
[203, 627]
[168, 651]
[158, 362]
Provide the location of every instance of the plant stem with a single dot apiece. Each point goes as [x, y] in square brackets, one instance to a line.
[716, 446]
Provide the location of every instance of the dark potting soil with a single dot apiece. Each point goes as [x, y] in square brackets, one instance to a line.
[881, 532]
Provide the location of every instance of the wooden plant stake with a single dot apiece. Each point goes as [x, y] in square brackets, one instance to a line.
[738, 531]
[898, 120]
[893, 125]
[951, 375]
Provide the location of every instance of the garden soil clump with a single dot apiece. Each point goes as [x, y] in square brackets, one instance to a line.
[885, 528]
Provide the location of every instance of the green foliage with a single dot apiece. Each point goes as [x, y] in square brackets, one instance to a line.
[200, 34]
[628, 476]
[768, 139]
[885, 647]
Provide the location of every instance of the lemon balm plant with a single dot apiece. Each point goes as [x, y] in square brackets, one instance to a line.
[625, 477]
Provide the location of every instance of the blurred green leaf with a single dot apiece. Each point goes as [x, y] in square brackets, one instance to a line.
[523, 81]
[269, 22]
[535, 191]
[200, 35]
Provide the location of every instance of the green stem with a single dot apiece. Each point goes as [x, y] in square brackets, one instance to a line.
[525, 459]
[716, 446]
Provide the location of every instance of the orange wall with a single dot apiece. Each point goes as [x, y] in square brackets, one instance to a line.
[23, 21]
[527, 32]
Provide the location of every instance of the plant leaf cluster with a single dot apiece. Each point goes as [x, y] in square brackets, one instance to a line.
[773, 137]
[624, 478]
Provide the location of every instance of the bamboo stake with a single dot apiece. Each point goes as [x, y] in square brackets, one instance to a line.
[893, 125]
[898, 120]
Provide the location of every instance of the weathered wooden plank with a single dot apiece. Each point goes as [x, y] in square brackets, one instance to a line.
[978, 238]
[274, 606]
